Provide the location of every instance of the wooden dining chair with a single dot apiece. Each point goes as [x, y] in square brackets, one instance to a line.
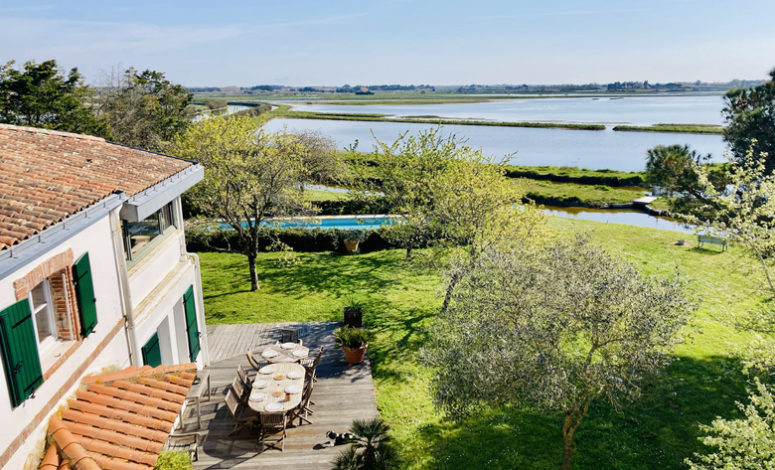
[303, 410]
[289, 335]
[253, 362]
[243, 376]
[243, 415]
[272, 423]
[310, 365]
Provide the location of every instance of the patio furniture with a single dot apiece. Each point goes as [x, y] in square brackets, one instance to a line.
[310, 365]
[196, 393]
[239, 388]
[289, 335]
[272, 423]
[303, 410]
[253, 362]
[285, 352]
[243, 376]
[183, 442]
[266, 385]
[243, 416]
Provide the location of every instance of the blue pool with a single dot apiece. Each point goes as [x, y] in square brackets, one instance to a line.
[338, 222]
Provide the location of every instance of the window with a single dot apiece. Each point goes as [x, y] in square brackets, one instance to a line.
[43, 313]
[138, 236]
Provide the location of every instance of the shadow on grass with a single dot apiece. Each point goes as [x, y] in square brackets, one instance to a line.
[658, 431]
[332, 273]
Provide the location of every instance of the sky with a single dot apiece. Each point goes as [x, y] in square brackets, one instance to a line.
[333, 42]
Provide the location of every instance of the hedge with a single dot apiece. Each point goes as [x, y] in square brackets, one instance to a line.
[299, 239]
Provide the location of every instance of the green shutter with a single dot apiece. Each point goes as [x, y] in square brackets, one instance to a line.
[152, 351]
[84, 292]
[192, 328]
[20, 351]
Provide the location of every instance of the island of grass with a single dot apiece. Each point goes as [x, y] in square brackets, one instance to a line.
[401, 299]
[434, 120]
[675, 128]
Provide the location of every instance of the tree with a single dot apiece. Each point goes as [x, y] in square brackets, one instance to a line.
[555, 328]
[746, 443]
[750, 116]
[744, 210]
[250, 176]
[370, 450]
[450, 197]
[672, 168]
[39, 95]
[144, 109]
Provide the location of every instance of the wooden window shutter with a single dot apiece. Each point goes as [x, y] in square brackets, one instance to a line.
[192, 328]
[84, 292]
[152, 351]
[19, 347]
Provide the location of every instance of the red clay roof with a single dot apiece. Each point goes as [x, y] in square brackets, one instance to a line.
[119, 421]
[46, 176]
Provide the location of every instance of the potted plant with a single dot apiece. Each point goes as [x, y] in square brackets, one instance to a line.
[351, 239]
[353, 342]
[353, 314]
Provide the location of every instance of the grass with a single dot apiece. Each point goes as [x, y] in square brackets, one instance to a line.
[434, 120]
[677, 128]
[561, 194]
[400, 300]
[317, 195]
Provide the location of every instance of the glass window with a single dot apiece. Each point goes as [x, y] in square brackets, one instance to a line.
[40, 298]
[139, 235]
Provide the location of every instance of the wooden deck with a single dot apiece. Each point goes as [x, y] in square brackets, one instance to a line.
[341, 395]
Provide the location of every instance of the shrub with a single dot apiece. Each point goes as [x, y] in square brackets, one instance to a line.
[352, 338]
[173, 460]
[298, 239]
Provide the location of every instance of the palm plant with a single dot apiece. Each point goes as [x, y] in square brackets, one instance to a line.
[370, 450]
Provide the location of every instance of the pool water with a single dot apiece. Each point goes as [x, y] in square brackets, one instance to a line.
[341, 223]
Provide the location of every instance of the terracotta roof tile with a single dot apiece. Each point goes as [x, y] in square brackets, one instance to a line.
[121, 420]
[46, 176]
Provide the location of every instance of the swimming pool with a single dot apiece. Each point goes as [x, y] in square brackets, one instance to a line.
[346, 222]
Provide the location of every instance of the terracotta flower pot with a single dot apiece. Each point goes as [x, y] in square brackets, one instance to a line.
[351, 245]
[354, 356]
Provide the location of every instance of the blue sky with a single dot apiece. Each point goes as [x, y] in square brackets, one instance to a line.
[327, 42]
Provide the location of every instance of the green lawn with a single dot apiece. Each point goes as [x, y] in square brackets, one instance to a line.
[400, 300]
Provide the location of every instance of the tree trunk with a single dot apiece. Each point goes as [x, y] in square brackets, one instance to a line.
[253, 274]
[568, 429]
[408, 251]
[450, 288]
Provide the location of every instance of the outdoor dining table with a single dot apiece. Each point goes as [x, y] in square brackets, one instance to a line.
[273, 384]
[286, 352]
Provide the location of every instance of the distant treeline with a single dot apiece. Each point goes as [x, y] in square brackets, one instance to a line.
[616, 87]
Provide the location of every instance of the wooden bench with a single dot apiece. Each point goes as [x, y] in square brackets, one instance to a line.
[712, 240]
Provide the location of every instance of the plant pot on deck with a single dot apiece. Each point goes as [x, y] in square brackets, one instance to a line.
[354, 355]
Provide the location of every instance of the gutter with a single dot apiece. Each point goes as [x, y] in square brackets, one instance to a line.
[17, 256]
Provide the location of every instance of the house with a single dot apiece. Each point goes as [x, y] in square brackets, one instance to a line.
[94, 274]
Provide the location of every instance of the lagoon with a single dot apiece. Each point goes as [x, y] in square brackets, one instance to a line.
[605, 109]
[623, 151]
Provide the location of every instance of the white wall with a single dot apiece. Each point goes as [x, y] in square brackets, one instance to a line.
[97, 241]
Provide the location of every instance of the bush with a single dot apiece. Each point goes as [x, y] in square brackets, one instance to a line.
[298, 239]
[352, 338]
[173, 460]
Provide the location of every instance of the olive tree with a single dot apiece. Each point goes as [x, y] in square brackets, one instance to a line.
[555, 328]
[250, 175]
[746, 443]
